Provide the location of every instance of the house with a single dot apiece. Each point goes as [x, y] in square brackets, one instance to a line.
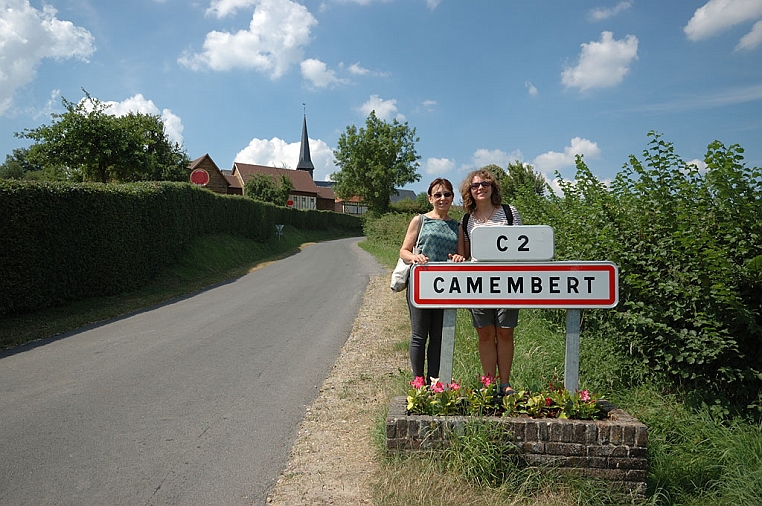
[305, 194]
[402, 195]
[204, 172]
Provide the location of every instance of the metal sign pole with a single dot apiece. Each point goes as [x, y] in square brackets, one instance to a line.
[571, 361]
[448, 346]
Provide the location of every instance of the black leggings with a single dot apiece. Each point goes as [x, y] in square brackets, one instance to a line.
[426, 325]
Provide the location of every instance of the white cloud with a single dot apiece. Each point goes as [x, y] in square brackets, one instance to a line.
[602, 64]
[752, 39]
[438, 167]
[358, 70]
[482, 157]
[222, 8]
[549, 162]
[173, 125]
[385, 109]
[274, 42]
[700, 164]
[279, 153]
[317, 73]
[601, 13]
[29, 35]
[718, 15]
[531, 89]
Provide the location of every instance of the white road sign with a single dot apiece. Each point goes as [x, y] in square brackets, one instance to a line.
[569, 285]
[513, 243]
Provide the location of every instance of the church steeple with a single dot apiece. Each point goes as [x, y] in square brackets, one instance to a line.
[305, 162]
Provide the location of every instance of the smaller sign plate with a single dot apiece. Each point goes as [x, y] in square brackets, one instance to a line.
[507, 243]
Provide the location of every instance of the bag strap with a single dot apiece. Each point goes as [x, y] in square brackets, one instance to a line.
[508, 216]
[420, 226]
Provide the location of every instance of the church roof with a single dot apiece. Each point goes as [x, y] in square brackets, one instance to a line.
[305, 161]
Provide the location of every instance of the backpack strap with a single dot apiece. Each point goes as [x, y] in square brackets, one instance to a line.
[508, 213]
[464, 224]
[508, 216]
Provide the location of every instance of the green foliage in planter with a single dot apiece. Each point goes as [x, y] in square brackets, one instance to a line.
[554, 402]
[688, 243]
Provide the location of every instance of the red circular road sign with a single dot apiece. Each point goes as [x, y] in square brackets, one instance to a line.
[290, 203]
[199, 177]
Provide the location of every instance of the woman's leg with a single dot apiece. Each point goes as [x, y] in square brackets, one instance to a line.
[419, 326]
[487, 350]
[504, 353]
[434, 352]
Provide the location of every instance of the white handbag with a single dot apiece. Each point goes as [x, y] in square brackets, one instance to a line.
[401, 271]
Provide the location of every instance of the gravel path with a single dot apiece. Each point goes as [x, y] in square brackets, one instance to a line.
[334, 457]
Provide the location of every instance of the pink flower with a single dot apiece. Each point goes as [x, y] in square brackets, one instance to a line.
[453, 386]
[584, 396]
[487, 380]
[437, 387]
[419, 382]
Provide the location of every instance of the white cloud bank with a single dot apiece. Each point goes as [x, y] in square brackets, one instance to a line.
[173, 125]
[716, 16]
[385, 109]
[548, 163]
[274, 42]
[29, 35]
[602, 64]
[279, 153]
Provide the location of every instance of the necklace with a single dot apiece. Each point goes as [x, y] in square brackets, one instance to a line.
[484, 220]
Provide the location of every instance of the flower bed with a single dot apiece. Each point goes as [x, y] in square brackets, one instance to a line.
[613, 448]
[437, 398]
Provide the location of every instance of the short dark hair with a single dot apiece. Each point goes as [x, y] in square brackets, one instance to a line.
[441, 181]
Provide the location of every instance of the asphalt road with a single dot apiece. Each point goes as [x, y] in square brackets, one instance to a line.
[194, 402]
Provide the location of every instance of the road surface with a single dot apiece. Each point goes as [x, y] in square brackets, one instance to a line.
[194, 402]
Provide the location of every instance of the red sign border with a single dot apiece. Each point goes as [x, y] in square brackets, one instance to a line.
[561, 266]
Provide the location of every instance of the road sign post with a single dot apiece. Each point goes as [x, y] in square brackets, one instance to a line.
[565, 285]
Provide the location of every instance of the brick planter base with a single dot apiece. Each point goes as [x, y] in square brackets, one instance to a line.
[613, 449]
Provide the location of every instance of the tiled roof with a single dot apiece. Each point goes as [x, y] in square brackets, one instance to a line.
[302, 180]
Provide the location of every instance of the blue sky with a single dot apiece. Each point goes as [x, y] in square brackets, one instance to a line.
[480, 81]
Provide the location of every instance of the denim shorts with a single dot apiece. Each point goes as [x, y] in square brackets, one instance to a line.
[503, 317]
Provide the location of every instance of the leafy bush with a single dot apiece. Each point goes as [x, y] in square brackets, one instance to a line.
[687, 243]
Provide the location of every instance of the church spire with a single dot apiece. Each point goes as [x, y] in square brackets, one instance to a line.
[305, 162]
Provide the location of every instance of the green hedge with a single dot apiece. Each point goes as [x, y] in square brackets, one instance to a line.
[63, 241]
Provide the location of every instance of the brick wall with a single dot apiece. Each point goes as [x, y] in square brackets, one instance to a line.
[613, 449]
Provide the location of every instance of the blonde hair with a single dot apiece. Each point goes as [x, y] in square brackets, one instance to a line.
[465, 189]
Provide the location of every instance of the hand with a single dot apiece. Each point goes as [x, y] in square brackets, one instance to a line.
[456, 257]
[420, 258]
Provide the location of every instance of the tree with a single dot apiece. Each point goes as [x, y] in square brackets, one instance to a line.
[86, 143]
[521, 176]
[264, 187]
[18, 166]
[375, 160]
[518, 177]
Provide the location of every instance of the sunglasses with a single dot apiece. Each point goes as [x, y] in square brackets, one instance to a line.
[483, 184]
[446, 195]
